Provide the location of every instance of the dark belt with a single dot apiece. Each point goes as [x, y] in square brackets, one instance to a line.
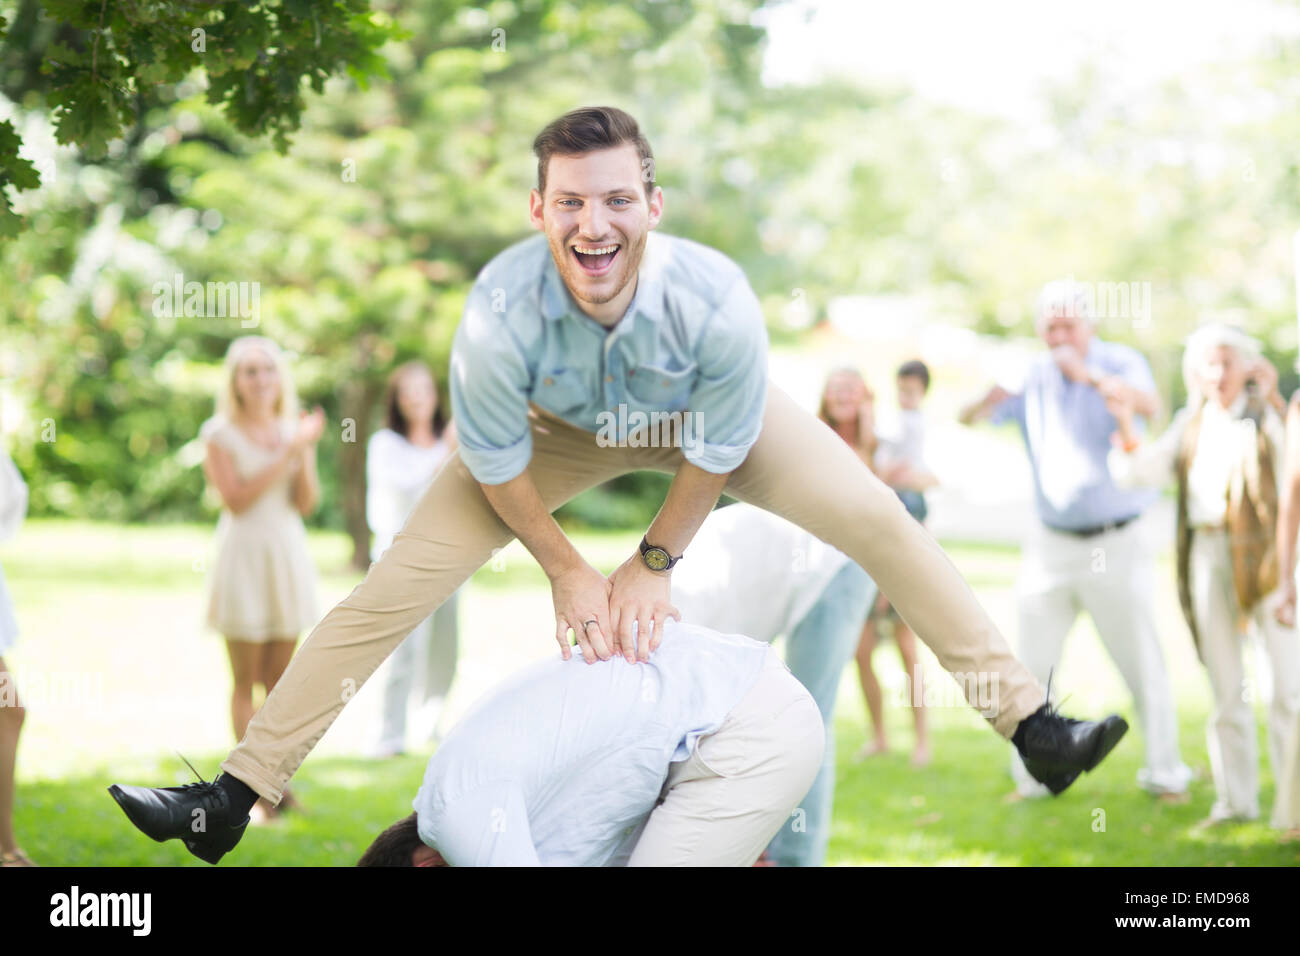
[1095, 529]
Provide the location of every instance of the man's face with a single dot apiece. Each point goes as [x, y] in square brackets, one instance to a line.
[427, 856]
[1067, 328]
[596, 217]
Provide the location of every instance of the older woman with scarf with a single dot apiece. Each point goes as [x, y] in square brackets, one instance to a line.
[1286, 808]
[1223, 449]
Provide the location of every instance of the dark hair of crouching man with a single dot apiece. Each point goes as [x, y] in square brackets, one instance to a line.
[400, 845]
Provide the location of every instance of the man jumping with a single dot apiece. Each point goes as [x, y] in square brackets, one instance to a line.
[601, 321]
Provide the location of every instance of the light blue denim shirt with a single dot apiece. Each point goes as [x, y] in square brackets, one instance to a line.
[1067, 430]
[692, 340]
[562, 764]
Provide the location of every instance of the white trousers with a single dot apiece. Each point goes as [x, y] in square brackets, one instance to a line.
[1112, 577]
[1234, 756]
[420, 672]
[723, 805]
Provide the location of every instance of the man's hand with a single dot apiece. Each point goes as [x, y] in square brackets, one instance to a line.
[641, 595]
[995, 397]
[581, 595]
[983, 407]
[1120, 398]
[1071, 363]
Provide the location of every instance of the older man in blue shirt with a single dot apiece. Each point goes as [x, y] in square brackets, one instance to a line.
[1090, 549]
[595, 350]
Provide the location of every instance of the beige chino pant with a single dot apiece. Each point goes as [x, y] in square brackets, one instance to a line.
[798, 468]
[723, 805]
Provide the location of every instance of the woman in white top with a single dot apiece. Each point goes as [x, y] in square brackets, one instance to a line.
[1212, 446]
[13, 508]
[261, 459]
[401, 460]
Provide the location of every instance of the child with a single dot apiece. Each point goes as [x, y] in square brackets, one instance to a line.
[900, 463]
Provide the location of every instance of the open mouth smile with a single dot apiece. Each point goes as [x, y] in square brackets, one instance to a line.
[595, 261]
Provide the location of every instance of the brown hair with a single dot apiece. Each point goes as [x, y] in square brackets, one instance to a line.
[915, 369]
[588, 129]
[395, 845]
[393, 417]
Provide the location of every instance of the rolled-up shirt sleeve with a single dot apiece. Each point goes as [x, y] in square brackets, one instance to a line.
[731, 391]
[489, 394]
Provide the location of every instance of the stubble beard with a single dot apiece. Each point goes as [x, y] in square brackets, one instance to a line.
[571, 273]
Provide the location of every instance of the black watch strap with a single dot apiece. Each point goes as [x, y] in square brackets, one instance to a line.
[657, 559]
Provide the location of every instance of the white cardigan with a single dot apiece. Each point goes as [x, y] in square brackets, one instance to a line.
[397, 473]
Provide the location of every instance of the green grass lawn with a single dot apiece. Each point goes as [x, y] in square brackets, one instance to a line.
[119, 675]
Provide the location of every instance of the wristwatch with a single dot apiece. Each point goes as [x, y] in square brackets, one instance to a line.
[657, 559]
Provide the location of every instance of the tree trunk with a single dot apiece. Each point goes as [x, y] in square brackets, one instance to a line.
[359, 399]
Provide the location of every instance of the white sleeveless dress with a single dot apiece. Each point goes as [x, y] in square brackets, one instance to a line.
[262, 585]
[13, 508]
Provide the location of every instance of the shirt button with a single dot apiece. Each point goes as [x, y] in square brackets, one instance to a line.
[549, 381]
[609, 378]
[631, 371]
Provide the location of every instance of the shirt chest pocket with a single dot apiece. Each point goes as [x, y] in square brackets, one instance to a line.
[661, 388]
[561, 391]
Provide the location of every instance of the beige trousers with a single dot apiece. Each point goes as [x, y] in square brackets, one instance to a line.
[798, 468]
[1112, 577]
[723, 805]
[1231, 734]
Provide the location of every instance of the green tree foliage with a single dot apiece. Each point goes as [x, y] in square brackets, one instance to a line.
[362, 237]
[364, 231]
[104, 61]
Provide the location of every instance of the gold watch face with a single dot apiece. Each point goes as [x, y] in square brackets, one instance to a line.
[656, 558]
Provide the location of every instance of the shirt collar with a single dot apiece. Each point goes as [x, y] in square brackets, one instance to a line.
[648, 300]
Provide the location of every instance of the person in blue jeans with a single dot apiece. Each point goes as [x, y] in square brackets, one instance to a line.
[764, 577]
[816, 652]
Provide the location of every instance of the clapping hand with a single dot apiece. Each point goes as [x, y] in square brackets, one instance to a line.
[311, 425]
[1265, 377]
[867, 419]
[1285, 609]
